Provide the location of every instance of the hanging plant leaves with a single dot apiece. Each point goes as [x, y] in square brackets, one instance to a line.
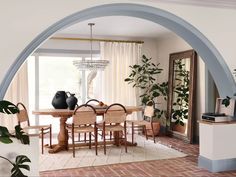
[5, 135]
[21, 135]
[20, 164]
[7, 107]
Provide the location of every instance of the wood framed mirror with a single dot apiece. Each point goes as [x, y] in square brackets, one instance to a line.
[181, 94]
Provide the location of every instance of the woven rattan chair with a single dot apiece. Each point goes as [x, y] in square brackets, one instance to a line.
[114, 117]
[147, 121]
[84, 121]
[41, 130]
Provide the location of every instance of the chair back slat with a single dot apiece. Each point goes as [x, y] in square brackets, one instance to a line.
[81, 118]
[149, 111]
[115, 117]
[115, 113]
[22, 116]
[84, 114]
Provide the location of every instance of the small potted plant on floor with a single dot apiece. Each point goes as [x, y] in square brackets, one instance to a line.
[144, 77]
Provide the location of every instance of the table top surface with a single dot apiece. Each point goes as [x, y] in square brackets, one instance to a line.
[67, 112]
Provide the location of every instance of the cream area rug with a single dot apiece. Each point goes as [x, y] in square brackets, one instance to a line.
[144, 151]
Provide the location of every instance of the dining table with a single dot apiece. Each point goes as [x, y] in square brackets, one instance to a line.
[64, 114]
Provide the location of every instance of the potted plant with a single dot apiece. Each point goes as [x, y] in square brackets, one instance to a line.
[7, 107]
[144, 76]
[181, 97]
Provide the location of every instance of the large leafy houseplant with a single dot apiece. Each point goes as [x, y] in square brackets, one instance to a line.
[181, 93]
[7, 107]
[144, 76]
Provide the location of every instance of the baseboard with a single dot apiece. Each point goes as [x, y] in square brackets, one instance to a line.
[217, 165]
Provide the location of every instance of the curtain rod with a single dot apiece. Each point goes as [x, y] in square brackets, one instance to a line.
[94, 39]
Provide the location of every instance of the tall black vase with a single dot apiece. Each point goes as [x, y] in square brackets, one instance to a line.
[59, 100]
[71, 101]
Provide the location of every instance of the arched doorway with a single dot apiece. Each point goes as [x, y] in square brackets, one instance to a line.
[212, 58]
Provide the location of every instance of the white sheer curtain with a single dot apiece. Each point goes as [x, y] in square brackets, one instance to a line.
[113, 87]
[17, 92]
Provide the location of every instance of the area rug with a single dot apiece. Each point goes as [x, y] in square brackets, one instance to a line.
[145, 150]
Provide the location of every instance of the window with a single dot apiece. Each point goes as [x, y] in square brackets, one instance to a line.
[49, 74]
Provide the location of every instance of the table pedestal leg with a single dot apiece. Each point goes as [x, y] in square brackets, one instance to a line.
[62, 137]
[118, 141]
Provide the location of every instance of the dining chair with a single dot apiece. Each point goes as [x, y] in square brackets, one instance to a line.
[147, 121]
[83, 121]
[92, 100]
[38, 130]
[114, 117]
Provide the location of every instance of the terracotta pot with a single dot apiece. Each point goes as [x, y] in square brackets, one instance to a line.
[179, 128]
[156, 128]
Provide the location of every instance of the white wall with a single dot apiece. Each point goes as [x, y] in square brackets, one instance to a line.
[22, 21]
[216, 141]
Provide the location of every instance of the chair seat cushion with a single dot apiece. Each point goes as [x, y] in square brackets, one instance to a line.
[82, 129]
[36, 130]
[139, 122]
[38, 127]
[111, 127]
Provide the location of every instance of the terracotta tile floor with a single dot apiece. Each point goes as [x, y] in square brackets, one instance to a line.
[177, 167]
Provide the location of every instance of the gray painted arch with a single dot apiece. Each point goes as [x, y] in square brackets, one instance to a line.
[212, 58]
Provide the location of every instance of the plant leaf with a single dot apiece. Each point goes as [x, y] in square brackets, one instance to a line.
[226, 101]
[19, 163]
[21, 135]
[181, 123]
[5, 135]
[7, 107]
[5, 140]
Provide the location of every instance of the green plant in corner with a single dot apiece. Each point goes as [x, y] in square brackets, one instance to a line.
[7, 107]
[144, 76]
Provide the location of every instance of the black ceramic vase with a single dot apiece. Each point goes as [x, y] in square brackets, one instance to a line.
[71, 101]
[59, 100]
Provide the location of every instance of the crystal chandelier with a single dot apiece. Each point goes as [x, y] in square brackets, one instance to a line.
[91, 64]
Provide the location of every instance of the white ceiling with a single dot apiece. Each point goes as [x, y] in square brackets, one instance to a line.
[120, 26]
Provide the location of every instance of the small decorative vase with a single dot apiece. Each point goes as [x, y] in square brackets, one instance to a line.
[71, 101]
[59, 100]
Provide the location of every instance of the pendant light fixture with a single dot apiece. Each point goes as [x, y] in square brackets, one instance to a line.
[91, 64]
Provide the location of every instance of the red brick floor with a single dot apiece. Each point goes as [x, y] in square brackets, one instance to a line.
[177, 167]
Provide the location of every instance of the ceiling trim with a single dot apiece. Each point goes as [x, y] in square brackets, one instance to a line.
[206, 3]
